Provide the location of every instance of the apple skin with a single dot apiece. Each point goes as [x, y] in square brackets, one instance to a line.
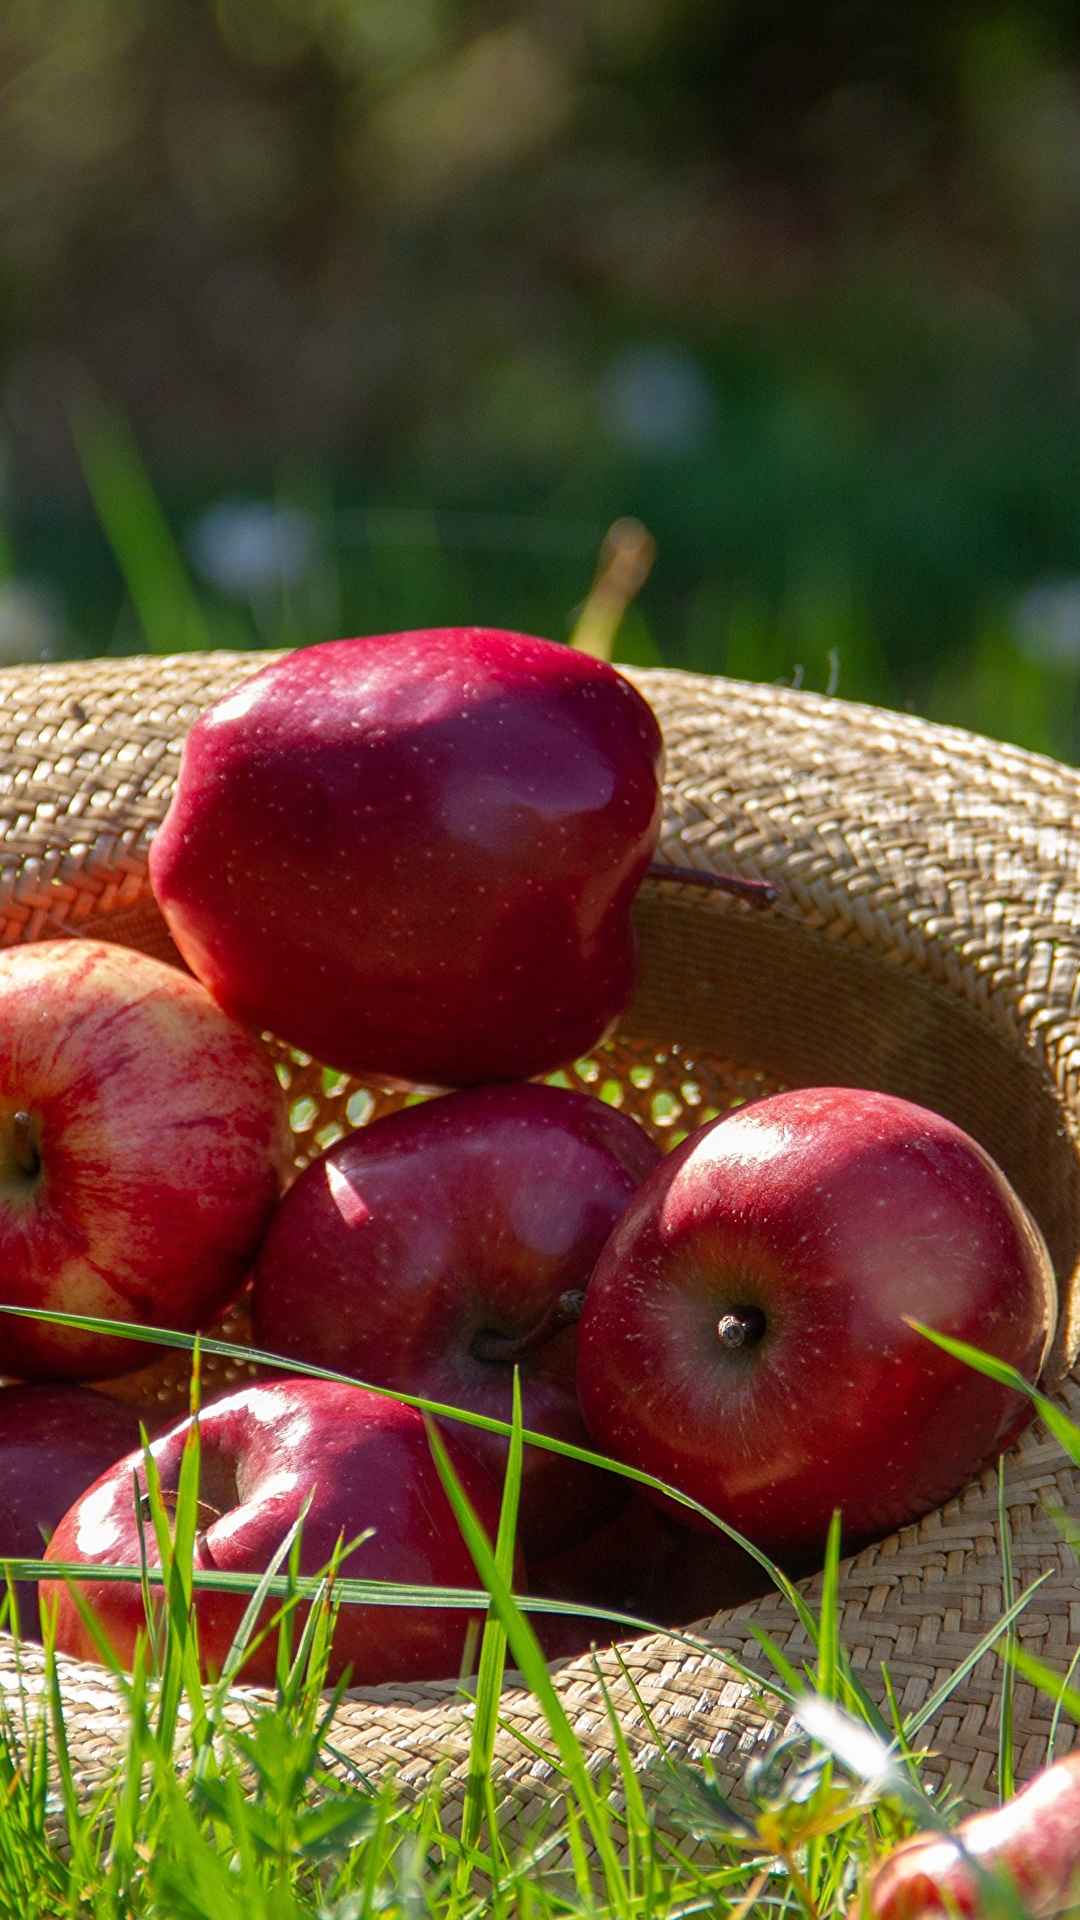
[414, 854]
[54, 1443]
[1032, 1843]
[157, 1143]
[831, 1213]
[470, 1215]
[644, 1562]
[263, 1451]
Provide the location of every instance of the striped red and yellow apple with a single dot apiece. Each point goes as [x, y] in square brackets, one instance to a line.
[144, 1141]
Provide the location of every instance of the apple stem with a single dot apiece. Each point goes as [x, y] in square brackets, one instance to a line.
[27, 1157]
[741, 1327]
[756, 893]
[563, 1312]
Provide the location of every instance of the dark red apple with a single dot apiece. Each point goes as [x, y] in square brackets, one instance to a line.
[744, 1333]
[436, 1249]
[143, 1144]
[54, 1442]
[367, 1462]
[415, 854]
[643, 1562]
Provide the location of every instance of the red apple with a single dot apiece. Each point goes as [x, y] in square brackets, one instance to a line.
[1019, 1858]
[54, 1442]
[744, 1333]
[415, 854]
[430, 1253]
[143, 1142]
[643, 1562]
[367, 1463]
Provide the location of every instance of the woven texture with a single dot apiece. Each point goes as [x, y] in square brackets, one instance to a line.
[924, 942]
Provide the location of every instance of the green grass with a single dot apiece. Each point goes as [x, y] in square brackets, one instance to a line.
[769, 604]
[204, 1819]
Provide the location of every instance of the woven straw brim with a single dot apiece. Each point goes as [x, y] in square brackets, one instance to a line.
[924, 942]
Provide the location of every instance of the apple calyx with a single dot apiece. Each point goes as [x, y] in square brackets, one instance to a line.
[24, 1145]
[206, 1515]
[741, 1327]
[563, 1312]
[756, 893]
[217, 1479]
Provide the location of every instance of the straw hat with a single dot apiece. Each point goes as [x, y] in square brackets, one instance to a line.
[924, 942]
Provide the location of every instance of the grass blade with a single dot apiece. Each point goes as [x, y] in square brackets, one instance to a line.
[1065, 1431]
[146, 553]
[941, 1695]
[361, 1593]
[478, 1793]
[829, 1659]
[259, 1596]
[1006, 1772]
[529, 1658]
[1066, 1692]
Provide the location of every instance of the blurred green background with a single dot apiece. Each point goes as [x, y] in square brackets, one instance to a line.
[359, 314]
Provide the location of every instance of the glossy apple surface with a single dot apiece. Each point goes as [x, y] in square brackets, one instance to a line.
[143, 1142]
[366, 1462]
[806, 1227]
[420, 1252]
[54, 1443]
[415, 854]
[1030, 1845]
